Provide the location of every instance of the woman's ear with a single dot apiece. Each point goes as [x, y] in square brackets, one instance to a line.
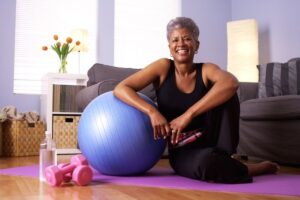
[198, 45]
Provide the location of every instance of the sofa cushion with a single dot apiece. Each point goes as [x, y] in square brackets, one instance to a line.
[276, 79]
[272, 108]
[100, 72]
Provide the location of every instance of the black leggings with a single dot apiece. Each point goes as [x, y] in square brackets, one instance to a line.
[209, 158]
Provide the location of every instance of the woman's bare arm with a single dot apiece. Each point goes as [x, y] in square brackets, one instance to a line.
[223, 87]
[127, 92]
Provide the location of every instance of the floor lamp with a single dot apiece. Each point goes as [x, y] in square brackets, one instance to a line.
[81, 35]
[242, 41]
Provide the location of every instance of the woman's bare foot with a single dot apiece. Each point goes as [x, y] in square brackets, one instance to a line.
[265, 167]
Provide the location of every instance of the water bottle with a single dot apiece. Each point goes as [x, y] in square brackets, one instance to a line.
[47, 154]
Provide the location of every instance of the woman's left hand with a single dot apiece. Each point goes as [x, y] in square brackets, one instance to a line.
[177, 125]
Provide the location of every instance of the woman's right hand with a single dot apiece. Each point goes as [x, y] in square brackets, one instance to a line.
[160, 125]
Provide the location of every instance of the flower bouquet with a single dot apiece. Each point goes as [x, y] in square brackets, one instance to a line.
[62, 50]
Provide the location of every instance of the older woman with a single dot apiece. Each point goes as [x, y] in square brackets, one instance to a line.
[198, 110]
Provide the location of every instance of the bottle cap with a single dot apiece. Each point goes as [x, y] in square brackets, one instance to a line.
[47, 133]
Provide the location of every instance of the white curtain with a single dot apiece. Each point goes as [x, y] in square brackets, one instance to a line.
[140, 30]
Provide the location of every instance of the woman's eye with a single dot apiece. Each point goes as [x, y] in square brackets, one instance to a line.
[187, 39]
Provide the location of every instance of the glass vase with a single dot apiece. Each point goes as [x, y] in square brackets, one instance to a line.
[63, 66]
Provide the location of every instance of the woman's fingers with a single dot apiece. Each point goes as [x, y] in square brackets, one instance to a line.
[175, 136]
[168, 130]
[155, 132]
[165, 131]
[160, 125]
[161, 131]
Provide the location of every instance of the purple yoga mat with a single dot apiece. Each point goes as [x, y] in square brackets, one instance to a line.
[280, 184]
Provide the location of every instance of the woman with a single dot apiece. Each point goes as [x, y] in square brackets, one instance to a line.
[194, 98]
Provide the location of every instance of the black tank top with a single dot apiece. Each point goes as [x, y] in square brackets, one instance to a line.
[172, 102]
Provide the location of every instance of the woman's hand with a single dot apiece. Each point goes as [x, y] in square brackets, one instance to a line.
[178, 124]
[160, 125]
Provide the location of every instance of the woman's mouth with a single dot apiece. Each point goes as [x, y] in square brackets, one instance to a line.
[182, 51]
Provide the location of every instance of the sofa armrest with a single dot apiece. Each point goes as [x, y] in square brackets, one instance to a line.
[247, 90]
[86, 95]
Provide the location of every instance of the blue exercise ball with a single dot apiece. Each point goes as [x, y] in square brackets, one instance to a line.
[117, 139]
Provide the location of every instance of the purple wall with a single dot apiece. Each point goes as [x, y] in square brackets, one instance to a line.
[211, 17]
[23, 103]
[279, 26]
[106, 18]
[278, 20]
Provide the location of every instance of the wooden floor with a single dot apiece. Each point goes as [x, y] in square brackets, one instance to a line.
[17, 187]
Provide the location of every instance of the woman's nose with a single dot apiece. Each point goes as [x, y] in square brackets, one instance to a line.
[181, 41]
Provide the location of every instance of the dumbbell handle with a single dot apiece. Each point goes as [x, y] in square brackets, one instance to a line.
[67, 177]
[79, 160]
[75, 161]
[68, 168]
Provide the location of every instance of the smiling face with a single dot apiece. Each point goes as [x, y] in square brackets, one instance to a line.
[182, 45]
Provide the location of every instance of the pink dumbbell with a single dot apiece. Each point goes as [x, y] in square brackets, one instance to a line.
[81, 172]
[67, 177]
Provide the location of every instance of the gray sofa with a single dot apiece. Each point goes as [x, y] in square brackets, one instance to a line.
[104, 78]
[269, 127]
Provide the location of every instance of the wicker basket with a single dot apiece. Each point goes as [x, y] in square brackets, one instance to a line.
[65, 131]
[21, 138]
[1, 139]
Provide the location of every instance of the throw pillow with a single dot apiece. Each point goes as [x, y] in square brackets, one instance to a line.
[277, 79]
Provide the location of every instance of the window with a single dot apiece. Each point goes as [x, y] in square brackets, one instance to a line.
[140, 31]
[36, 23]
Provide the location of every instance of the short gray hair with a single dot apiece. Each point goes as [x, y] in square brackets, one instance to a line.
[183, 22]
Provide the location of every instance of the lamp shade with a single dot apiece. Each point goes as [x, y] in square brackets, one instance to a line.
[242, 41]
[82, 36]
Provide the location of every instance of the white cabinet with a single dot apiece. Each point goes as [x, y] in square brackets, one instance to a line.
[58, 101]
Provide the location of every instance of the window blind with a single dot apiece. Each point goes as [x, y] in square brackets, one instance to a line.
[36, 23]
